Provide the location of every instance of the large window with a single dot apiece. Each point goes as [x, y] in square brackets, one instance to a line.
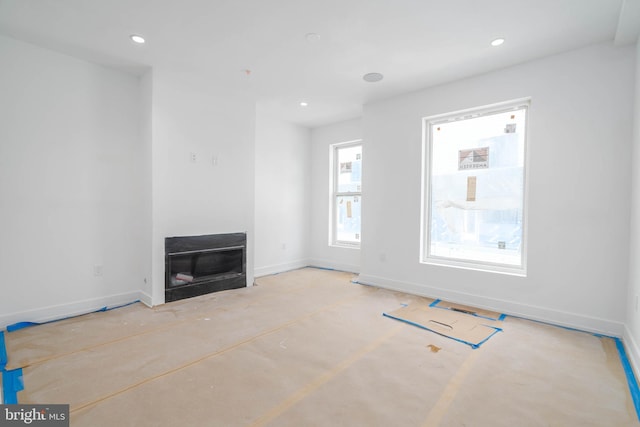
[474, 188]
[346, 198]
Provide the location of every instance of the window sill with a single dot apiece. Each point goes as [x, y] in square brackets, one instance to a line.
[485, 268]
[344, 246]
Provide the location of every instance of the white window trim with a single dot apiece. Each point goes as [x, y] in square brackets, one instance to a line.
[333, 172]
[425, 214]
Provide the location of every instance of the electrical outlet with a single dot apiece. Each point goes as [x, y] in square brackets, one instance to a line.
[193, 157]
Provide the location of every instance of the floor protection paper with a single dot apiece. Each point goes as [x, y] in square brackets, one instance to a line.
[460, 326]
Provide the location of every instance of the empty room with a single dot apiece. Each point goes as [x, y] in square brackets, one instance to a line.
[329, 213]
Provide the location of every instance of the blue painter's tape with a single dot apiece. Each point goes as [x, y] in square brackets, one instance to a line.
[472, 345]
[12, 383]
[568, 328]
[3, 352]
[502, 317]
[22, 325]
[631, 378]
[436, 302]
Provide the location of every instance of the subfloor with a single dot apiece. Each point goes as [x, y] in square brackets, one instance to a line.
[310, 348]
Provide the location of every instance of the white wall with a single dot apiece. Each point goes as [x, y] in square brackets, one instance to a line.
[282, 184]
[73, 195]
[146, 140]
[632, 331]
[580, 133]
[196, 198]
[321, 253]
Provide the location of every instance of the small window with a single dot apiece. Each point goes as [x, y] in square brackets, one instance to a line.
[474, 188]
[346, 198]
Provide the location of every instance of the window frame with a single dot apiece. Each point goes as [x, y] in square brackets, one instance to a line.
[334, 194]
[426, 193]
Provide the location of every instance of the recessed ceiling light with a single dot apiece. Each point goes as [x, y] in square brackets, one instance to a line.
[137, 39]
[303, 104]
[372, 77]
[497, 42]
[312, 37]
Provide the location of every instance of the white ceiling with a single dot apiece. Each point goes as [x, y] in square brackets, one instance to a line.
[414, 43]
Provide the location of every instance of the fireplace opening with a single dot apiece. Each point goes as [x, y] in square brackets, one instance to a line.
[197, 265]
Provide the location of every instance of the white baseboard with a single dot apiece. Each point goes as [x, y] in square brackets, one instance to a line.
[145, 299]
[531, 312]
[62, 311]
[325, 263]
[279, 268]
[633, 353]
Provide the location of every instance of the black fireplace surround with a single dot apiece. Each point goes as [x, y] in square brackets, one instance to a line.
[198, 265]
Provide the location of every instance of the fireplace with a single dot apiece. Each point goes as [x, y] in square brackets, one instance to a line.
[198, 265]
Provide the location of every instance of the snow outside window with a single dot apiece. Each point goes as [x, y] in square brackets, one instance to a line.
[474, 188]
[346, 200]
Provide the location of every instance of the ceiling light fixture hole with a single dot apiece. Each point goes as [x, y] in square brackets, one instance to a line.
[312, 37]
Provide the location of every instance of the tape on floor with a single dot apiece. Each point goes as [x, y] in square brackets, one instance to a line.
[450, 392]
[3, 352]
[148, 331]
[472, 345]
[322, 379]
[12, 383]
[22, 325]
[217, 352]
[436, 303]
[631, 378]
[632, 382]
